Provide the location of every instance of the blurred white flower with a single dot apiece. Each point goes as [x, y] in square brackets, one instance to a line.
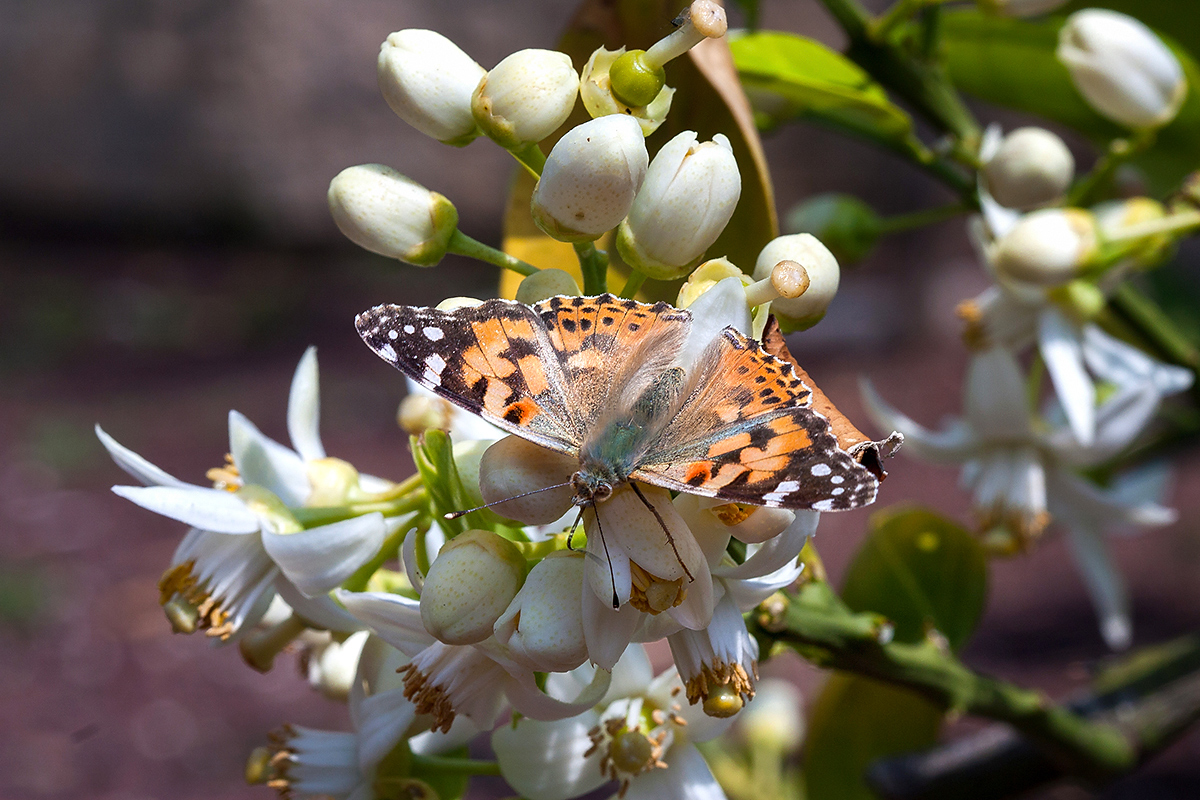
[638, 735]
[427, 80]
[1027, 168]
[1122, 68]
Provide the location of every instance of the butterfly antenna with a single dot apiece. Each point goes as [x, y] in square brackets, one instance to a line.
[612, 576]
[574, 525]
[457, 514]
[670, 538]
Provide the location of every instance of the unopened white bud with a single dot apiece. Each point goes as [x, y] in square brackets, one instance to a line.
[470, 583]
[1046, 248]
[1121, 68]
[543, 626]
[820, 267]
[1020, 8]
[379, 209]
[689, 195]
[590, 179]
[525, 97]
[423, 412]
[513, 466]
[427, 80]
[1031, 168]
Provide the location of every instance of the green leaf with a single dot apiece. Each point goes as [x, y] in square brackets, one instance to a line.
[921, 571]
[1011, 62]
[856, 721]
[791, 77]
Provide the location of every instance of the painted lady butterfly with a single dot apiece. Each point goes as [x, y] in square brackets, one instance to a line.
[596, 378]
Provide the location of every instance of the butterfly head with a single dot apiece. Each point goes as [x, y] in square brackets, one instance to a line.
[591, 486]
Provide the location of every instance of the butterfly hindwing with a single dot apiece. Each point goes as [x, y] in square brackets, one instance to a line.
[494, 360]
[747, 433]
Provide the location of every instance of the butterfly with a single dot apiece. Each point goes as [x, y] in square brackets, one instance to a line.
[599, 379]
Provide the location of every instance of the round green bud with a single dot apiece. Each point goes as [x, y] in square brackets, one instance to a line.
[634, 81]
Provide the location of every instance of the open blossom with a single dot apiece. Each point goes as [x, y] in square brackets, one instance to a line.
[1022, 476]
[244, 545]
[641, 735]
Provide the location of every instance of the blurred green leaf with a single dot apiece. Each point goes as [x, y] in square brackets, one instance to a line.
[856, 721]
[708, 100]
[921, 571]
[1011, 62]
[791, 77]
[846, 225]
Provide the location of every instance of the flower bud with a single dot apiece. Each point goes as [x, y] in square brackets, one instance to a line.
[428, 82]
[525, 97]
[1031, 168]
[513, 466]
[590, 179]
[1046, 248]
[823, 275]
[1020, 8]
[470, 583]
[543, 626]
[379, 209]
[546, 283]
[333, 481]
[600, 99]
[418, 413]
[1121, 68]
[844, 224]
[690, 193]
[706, 276]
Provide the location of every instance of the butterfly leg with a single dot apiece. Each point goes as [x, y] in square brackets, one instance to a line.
[670, 539]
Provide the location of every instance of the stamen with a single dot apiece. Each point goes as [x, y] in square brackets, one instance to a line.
[225, 477]
[427, 697]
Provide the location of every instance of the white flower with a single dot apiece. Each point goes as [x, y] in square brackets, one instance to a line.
[525, 97]
[689, 195]
[590, 179]
[1121, 68]
[476, 681]
[543, 626]
[244, 544]
[380, 210]
[1029, 168]
[309, 763]
[1019, 475]
[820, 268]
[427, 80]
[639, 735]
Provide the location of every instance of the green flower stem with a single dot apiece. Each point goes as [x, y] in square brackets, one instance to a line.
[1085, 191]
[1181, 222]
[919, 219]
[259, 647]
[594, 265]
[635, 281]
[391, 546]
[459, 766]
[464, 245]
[313, 516]
[531, 158]
[899, 13]
[821, 628]
[923, 83]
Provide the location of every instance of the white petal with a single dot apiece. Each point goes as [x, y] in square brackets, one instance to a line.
[777, 553]
[545, 760]
[1062, 350]
[396, 619]
[382, 720]
[432, 743]
[724, 305]
[532, 702]
[696, 610]
[408, 557]
[630, 676]
[606, 631]
[687, 777]
[262, 461]
[1104, 584]
[304, 409]
[952, 444]
[135, 465]
[318, 559]
[208, 509]
[1080, 502]
[994, 397]
[322, 611]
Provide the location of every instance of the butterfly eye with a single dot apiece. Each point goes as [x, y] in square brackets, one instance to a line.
[602, 491]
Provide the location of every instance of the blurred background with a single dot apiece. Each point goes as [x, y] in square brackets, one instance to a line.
[166, 255]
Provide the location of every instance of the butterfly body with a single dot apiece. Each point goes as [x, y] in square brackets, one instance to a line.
[617, 384]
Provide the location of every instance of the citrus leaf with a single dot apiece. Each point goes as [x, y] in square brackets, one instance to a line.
[922, 572]
[708, 100]
[1011, 62]
[792, 77]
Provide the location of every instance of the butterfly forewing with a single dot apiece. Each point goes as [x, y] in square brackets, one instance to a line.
[746, 433]
[494, 360]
